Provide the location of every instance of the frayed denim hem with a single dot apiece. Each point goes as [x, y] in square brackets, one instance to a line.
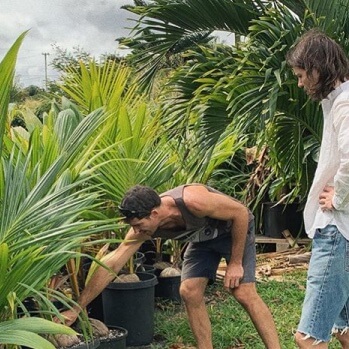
[341, 330]
[307, 336]
[316, 341]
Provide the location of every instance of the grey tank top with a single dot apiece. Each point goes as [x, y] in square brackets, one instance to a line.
[196, 228]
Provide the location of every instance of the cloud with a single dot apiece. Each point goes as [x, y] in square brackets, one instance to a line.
[92, 25]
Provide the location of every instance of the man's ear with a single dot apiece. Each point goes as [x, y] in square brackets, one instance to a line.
[154, 213]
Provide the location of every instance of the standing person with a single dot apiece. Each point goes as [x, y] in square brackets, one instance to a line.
[217, 226]
[322, 68]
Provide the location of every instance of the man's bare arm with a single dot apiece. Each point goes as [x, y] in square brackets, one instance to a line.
[203, 203]
[114, 260]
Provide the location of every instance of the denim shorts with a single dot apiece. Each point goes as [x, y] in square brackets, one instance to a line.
[326, 303]
[201, 259]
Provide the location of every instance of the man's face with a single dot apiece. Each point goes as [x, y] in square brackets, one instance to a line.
[305, 81]
[147, 225]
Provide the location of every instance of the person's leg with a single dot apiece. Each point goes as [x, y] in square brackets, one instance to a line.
[341, 327]
[201, 262]
[343, 338]
[192, 292]
[304, 342]
[327, 290]
[246, 294]
[199, 266]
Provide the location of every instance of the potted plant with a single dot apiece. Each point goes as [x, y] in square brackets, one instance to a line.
[44, 206]
[74, 342]
[273, 199]
[128, 302]
[168, 273]
[116, 338]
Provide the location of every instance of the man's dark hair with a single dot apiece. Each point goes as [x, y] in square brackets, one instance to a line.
[316, 51]
[138, 202]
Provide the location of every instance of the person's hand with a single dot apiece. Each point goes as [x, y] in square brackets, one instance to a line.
[69, 317]
[233, 275]
[325, 198]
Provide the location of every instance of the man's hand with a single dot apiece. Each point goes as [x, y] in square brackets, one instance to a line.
[69, 317]
[233, 275]
[325, 198]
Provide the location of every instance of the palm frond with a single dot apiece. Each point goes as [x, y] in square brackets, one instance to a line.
[7, 71]
[164, 26]
[25, 332]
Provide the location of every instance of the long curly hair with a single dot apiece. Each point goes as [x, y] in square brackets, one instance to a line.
[315, 51]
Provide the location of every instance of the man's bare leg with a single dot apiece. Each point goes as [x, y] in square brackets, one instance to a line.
[192, 292]
[246, 294]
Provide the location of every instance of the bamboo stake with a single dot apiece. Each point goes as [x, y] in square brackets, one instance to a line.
[73, 277]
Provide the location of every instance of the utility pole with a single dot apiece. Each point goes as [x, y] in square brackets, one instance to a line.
[46, 81]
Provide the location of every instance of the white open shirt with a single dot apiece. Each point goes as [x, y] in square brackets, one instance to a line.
[333, 165]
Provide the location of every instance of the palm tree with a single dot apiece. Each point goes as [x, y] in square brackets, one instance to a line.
[135, 144]
[20, 331]
[132, 146]
[248, 87]
[47, 210]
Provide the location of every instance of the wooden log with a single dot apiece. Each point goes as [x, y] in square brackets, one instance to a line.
[299, 258]
[292, 242]
[281, 271]
[281, 254]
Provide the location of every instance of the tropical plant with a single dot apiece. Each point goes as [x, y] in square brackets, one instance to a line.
[25, 331]
[47, 211]
[248, 87]
[140, 146]
[18, 331]
[132, 145]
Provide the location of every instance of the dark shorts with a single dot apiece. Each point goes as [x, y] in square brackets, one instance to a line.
[201, 259]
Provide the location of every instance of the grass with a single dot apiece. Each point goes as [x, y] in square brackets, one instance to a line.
[231, 325]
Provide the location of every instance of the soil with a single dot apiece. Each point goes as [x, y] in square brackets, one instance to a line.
[73, 346]
[113, 333]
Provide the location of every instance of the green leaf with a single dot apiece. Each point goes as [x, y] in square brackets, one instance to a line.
[7, 71]
[3, 261]
[24, 331]
[35, 324]
[29, 339]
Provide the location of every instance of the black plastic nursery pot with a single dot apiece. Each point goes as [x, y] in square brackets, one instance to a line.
[278, 217]
[168, 287]
[149, 250]
[117, 339]
[138, 259]
[145, 268]
[131, 305]
[95, 308]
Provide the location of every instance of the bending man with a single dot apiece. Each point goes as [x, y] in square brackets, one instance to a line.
[217, 226]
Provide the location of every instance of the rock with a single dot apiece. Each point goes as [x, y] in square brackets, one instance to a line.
[169, 272]
[162, 265]
[99, 328]
[64, 340]
[127, 278]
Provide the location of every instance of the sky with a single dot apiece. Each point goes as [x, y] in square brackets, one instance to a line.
[93, 25]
